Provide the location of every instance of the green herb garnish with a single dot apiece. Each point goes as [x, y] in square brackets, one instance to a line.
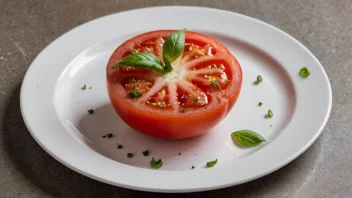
[119, 146]
[247, 138]
[195, 100]
[146, 153]
[183, 110]
[141, 60]
[193, 167]
[173, 48]
[109, 135]
[129, 155]
[260, 104]
[211, 163]
[84, 87]
[270, 113]
[90, 111]
[134, 93]
[215, 84]
[304, 72]
[259, 79]
[156, 164]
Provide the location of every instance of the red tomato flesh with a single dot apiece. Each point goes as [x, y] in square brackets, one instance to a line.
[187, 102]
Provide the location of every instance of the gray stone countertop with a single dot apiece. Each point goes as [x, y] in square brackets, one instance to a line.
[324, 26]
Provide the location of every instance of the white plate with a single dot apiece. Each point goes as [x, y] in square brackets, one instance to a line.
[55, 108]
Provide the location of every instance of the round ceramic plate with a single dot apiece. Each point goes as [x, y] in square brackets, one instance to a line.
[55, 108]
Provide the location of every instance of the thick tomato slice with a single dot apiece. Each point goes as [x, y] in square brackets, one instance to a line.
[186, 102]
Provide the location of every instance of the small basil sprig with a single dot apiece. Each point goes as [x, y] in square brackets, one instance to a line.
[247, 138]
[141, 60]
[173, 48]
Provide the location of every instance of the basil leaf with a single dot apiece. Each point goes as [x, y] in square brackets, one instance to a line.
[156, 164]
[173, 46]
[141, 60]
[211, 163]
[247, 138]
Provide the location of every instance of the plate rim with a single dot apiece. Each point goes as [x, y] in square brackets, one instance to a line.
[278, 166]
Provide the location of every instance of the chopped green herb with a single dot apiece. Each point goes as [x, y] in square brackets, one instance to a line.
[304, 72]
[90, 111]
[215, 84]
[135, 94]
[84, 87]
[146, 153]
[211, 163]
[156, 164]
[193, 167]
[247, 138]
[260, 104]
[129, 155]
[259, 79]
[132, 80]
[183, 110]
[119, 146]
[173, 48]
[109, 135]
[270, 113]
[195, 100]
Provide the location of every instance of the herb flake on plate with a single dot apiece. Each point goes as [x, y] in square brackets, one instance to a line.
[270, 113]
[304, 72]
[130, 155]
[109, 135]
[211, 163]
[259, 79]
[146, 153]
[156, 164]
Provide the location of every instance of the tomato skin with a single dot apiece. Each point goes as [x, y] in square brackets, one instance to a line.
[169, 126]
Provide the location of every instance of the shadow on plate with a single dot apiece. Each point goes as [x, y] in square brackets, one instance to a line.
[105, 120]
[54, 178]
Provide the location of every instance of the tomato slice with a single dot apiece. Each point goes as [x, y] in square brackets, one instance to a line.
[193, 98]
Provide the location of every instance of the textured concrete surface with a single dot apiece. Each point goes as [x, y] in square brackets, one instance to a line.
[324, 26]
